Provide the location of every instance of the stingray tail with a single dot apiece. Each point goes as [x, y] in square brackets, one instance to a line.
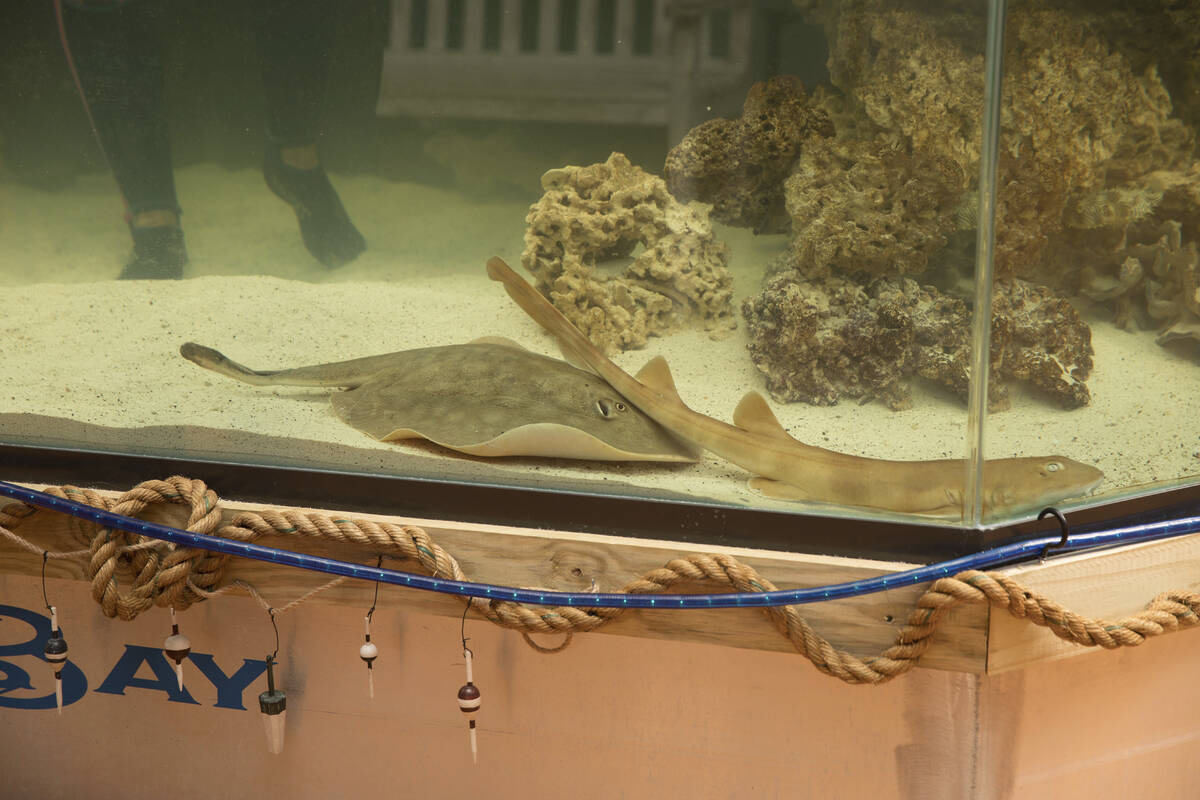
[220, 363]
[574, 345]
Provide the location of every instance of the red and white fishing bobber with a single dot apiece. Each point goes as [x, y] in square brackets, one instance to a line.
[177, 647]
[55, 653]
[368, 653]
[468, 702]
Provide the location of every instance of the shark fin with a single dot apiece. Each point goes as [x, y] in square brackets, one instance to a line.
[656, 375]
[753, 414]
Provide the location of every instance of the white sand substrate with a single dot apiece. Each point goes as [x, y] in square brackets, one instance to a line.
[78, 346]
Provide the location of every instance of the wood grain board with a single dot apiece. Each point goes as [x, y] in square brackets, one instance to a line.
[1106, 585]
[972, 639]
[568, 561]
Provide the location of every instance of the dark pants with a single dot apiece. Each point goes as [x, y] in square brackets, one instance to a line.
[116, 50]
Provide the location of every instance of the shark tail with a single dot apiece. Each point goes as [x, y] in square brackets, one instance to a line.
[574, 345]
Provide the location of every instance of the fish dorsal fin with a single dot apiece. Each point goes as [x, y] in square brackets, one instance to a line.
[753, 414]
[656, 375]
[500, 340]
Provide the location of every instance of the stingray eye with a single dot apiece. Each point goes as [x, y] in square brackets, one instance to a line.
[621, 406]
[604, 408]
[1053, 466]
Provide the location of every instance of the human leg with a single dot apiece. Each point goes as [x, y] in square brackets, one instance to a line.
[295, 40]
[115, 54]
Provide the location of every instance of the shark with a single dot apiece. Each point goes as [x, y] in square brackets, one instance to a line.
[786, 468]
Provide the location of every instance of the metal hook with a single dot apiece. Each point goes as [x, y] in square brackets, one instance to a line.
[1062, 526]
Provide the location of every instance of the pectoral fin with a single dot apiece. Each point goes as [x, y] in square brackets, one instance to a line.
[777, 490]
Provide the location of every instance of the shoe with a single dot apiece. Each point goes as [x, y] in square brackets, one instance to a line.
[325, 226]
[158, 254]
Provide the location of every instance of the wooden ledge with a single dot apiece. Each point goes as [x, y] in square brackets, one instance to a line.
[1106, 585]
[971, 639]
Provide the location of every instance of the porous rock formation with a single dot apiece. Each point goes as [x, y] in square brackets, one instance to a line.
[603, 212]
[869, 205]
[739, 165]
[824, 339]
[1038, 337]
[1098, 193]
[1078, 121]
[1154, 279]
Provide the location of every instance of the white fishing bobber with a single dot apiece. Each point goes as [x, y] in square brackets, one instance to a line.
[55, 653]
[177, 647]
[368, 653]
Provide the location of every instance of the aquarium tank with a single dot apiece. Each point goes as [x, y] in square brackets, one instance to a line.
[931, 262]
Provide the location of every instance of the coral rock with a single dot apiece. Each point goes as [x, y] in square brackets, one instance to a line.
[829, 338]
[1084, 128]
[1154, 279]
[869, 206]
[1039, 337]
[825, 339]
[916, 74]
[604, 211]
[739, 165]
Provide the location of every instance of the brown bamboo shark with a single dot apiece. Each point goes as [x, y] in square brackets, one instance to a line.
[787, 468]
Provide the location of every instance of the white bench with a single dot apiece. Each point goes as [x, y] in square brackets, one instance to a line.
[642, 62]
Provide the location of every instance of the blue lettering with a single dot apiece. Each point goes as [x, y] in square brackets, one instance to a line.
[123, 674]
[229, 687]
[15, 678]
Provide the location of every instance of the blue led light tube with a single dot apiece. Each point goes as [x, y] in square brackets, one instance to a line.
[1087, 537]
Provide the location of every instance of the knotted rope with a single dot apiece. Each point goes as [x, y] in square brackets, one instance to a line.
[167, 575]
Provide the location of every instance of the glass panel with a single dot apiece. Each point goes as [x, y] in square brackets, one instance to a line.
[1097, 316]
[810, 236]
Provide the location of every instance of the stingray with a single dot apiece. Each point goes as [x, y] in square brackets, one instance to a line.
[490, 397]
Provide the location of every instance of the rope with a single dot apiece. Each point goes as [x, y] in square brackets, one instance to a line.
[167, 575]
